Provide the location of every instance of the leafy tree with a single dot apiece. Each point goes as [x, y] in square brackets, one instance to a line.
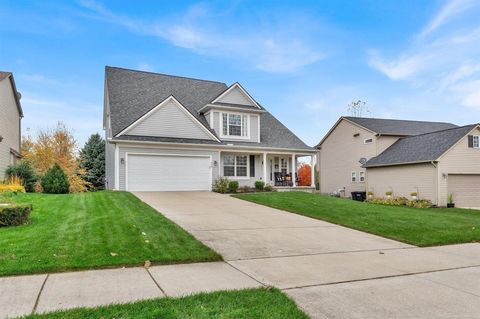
[92, 162]
[26, 172]
[55, 146]
[304, 175]
[55, 181]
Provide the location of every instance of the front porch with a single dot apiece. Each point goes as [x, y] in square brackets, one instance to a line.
[279, 170]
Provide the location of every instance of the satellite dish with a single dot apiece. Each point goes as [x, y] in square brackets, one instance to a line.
[19, 95]
[363, 161]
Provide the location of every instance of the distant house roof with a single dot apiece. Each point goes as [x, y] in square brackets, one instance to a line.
[420, 148]
[132, 93]
[4, 75]
[399, 127]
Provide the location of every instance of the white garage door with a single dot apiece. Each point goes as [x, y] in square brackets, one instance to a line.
[168, 173]
[465, 190]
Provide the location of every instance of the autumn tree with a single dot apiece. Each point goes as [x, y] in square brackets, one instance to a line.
[55, 146]
[304, 175]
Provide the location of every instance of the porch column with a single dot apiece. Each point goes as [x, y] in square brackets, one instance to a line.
[294, 170]
[264, 168]
[312, 169]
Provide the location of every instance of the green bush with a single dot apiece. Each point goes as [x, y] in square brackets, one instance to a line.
[55, 181]
[25, 171]
[221, 185]
[401, 201]
[268, 188]
[259, 185]
[14, 214]
[232, 186]
[420, 203]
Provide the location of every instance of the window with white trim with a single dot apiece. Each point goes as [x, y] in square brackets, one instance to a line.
[234, 124]
[283, 165]
[368, 141]
[476, 141]
[354, 177]
[361, 177]
[235, 165]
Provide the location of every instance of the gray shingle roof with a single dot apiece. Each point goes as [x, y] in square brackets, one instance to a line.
[133, 93]
[399, 127]
[420, 148]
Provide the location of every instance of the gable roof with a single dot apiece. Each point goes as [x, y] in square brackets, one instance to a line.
[132, 94]
[4, 75]
[399, 127]
[233, 87]
[420, 148]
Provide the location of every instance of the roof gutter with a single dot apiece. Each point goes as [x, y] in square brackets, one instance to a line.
[221, 146]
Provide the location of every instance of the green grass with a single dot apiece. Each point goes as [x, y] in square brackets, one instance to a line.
[242, 304]
[94, 230]
[421, 227]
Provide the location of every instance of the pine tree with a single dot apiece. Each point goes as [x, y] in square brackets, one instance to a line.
[92, 162]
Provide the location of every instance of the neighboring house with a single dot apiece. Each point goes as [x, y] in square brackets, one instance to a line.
[354, 140]
[10, 118]
[433, 165]
[171, 133]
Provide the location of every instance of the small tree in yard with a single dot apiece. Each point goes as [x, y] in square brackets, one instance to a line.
[304, 175]
[55, 181]
[92, 162]
[25, 171]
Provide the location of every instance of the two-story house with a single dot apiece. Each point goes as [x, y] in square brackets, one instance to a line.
[171, 133]
[352, 141]
[10, 119]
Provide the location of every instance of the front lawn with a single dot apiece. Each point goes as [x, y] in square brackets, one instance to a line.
[421, 227]
[241, 304]
[91, 230]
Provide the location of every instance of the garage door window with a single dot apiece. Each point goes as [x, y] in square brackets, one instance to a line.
[235, 165]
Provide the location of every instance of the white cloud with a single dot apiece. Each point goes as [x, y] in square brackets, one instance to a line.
[271, 44]
[448, 64]
[449, 11]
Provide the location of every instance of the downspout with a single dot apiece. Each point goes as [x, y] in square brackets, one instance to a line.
[436, 182]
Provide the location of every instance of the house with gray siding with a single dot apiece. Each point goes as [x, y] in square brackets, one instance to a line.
[172, 133]
[10, 119]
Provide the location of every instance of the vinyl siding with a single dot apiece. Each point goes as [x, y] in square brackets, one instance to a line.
[384, 142]
[340, 155]
[9, 125]
[162, 150]
[236, 96]
[110, 165]
[253, 127]
[169, 121]
[403, 180]
[459, 160]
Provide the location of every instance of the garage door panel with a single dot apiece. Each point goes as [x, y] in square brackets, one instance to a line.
[465, 189]
[168, 173]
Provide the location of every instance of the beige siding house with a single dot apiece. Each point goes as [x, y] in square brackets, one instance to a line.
[352, 141]
[10, 117]
[433, 165]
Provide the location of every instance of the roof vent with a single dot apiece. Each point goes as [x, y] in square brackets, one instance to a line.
[356, 135]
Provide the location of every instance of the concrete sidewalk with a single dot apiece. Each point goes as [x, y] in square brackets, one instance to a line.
[43, 293]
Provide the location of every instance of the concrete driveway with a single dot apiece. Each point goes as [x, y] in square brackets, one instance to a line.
[330, 271]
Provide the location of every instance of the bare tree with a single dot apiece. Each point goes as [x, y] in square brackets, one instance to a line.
[358, 108]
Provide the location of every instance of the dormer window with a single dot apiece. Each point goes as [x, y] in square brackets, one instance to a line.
[235, 125]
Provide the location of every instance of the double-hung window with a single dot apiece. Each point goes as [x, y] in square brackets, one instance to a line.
[476, 141]
[354, 177]
[235, 165]
[362, 177]
[234, 125]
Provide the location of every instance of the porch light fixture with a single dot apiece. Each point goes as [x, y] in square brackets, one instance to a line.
[122, 161]
[215, 163]
[1, 138]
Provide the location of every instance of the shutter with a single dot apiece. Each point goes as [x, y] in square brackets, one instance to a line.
[470, 141]
[252, 165]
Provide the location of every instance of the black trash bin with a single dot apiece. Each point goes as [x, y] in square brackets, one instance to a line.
[360, 196]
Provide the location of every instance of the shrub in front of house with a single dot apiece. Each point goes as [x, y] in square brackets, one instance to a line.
[401, 201]
[259, 185]
[12, 185]
[14, 214]
[268, 188]
[420, 203]
[26, 172]
[55, 181]
[221, 185]
[233, 186]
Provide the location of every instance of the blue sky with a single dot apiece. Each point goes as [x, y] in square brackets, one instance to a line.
[305, 61]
